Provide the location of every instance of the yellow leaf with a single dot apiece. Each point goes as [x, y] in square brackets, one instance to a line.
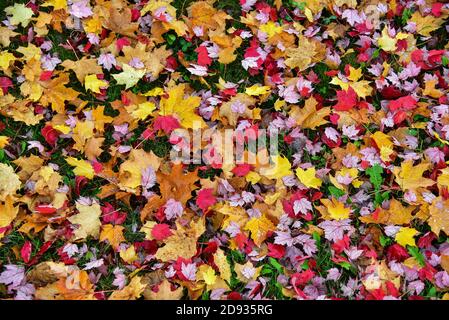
[9, 181]
[143, 110]
[129, 255]
[405, 236]
[386, 42]
[19, 14]
[154, 92]
[308, 178]
[429, 89]
[208, 275]
[88, 221]
[183, 108]
[130, 172]
[280, 168]
[308, 14]
[336, 209]
[7, 212]
[62, 128]
[5, 59]
[222, 264]
[252, 177]
[301, 57]
[270, 28]
[384, 143]
[257, 90]
[410, 177]
[362, 88]
[114, 234]
[56, 4]
[426, 25]
[354, 74]
[129, 76]
[131, 292]
[82, 167]
[309, 117]
[3, 141]
[259, 228]
[439, 217]
[91, 82]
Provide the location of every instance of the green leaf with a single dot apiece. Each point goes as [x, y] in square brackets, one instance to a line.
[385, 241]
[445, 60]
[375, 175]
[275, 264]
[336, 192]
[345, 265]
[415, 253]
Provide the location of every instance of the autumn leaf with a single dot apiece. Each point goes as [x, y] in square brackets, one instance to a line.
[9, 181]
[410, 177]
[87, 221]
[259, 227]
[405, 236]
[177, 185]
[439, 218]
[7, 212]
[132, 291]
[113, 234]
[181, 107]
[82, 167]
[129, 76]
[308, 178]
[336, 209]
[309, 117]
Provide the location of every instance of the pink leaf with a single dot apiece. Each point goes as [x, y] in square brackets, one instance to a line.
[25, 252]
[205, 199]
[161, 231]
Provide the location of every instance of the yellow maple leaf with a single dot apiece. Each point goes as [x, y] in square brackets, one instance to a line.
[257, 90]
[222, 263]
[5, 59]
[82, 167]
[354, 74]
[8, 212]
[4, 140]
[279, 168]
[183, 108]
[19, 14]
[271, 28]
[143, 110]
[309, 117]
[429, 89]
[88, 221]
[9, 181]
[405, 236]
[129, 255]
[301, 56]
[336, 209]
[410, 177]
[425, 25]
[130, 172]
[439, 216]
[129, 76]
[56, 4]
[91, 82]
[112, 233]
[131, 292]
[308, 178]
[208, 274]
[259, 228]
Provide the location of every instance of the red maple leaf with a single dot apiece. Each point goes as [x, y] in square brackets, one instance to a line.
[346, 100]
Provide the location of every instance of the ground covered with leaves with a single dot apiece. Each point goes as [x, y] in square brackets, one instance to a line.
[355, 205]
